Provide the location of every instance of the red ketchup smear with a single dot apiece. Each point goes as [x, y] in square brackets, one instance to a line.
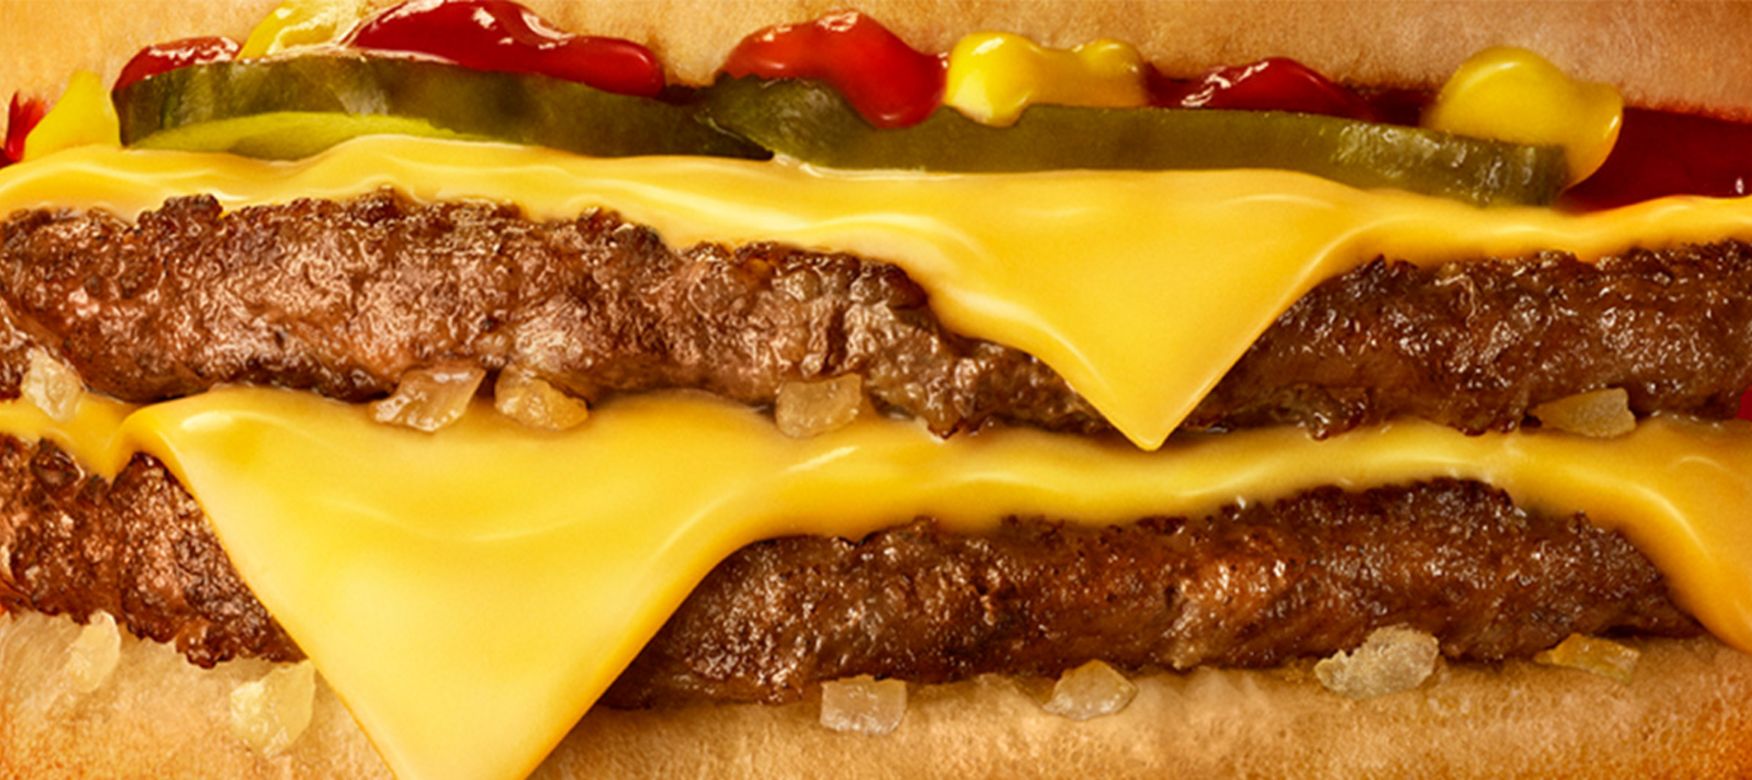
[500, 35]
[1662, 153]
[1275, 84]
[162, 57]
[21, 118]
[1745, 410]
[890, 83]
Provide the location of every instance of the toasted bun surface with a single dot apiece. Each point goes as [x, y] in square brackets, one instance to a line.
[1661, 53]
[1683, 715]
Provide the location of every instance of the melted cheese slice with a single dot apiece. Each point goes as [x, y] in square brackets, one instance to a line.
[469, 594]
[1140, 288]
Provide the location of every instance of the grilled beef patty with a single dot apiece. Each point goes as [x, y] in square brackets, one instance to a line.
[344, 298]
[1247, 586]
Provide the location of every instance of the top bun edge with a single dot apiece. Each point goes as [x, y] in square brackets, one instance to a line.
[1674, 55]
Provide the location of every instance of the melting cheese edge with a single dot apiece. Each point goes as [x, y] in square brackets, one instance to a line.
[469, 623]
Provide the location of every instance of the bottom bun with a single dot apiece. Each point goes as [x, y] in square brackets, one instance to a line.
[1685, 713]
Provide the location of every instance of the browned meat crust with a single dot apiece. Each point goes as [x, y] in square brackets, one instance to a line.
[1250, 586]
[139, 549]
[344, 298]
[1474, 345]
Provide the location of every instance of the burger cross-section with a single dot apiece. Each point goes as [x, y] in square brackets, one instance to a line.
[454, 388]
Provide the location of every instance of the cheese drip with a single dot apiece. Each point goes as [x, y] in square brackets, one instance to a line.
[1140, 288]
[469, 594]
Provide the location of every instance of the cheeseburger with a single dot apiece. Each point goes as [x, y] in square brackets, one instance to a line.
[466, 389]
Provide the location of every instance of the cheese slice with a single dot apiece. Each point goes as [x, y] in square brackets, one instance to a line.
[1140, 288]
[469, 594]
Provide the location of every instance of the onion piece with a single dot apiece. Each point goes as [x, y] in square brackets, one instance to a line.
[1601, 414]
[430, 398]
[1390, 660]
[863, 705]
[804, 409]
[51, 386]
[271, 713]
[1090, 691]
[533, 401]
[1592, 654]
[92, 657]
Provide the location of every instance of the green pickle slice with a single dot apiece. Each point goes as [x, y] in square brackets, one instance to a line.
[294, 107]
[809, 121]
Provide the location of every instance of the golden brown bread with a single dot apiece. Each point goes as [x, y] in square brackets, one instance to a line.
[1683, 715]
[1662, 53]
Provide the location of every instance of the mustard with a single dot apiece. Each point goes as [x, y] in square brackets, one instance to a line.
[1515, 95]
[993, 77]
[83, 116]
[297, 23]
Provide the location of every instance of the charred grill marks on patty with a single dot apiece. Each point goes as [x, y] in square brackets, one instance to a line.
[1246, 586]
[344, 298]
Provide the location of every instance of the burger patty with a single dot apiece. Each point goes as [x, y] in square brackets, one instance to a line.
[346, 297]
[1251, 585]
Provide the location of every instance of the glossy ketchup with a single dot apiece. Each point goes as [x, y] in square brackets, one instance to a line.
[1274, 84]
[161, 57]
[22, 116]
[1662, 153]
[889, 82]
[501, 35]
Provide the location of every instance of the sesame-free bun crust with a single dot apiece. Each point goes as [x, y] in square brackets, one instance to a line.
[1684, 714]
[1667, 54]
[1687, 712]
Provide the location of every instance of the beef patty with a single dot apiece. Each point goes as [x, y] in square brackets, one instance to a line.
[1253, 585]
[344, 298]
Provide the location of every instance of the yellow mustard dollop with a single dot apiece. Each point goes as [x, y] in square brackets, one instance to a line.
[1515, 95]
[993, 77]
[83, 116]
[299, 23]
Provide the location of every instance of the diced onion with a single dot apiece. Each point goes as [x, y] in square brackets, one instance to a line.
[533, 401]
[1090, 691]
[270, 714]
[430, 398]
[51, 386]
[863, 705]
[1592, 654]
[804, 409]
[1390, 660]
[92, 657]
[1601, 414]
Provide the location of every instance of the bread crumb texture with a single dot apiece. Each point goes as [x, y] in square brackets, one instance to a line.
[1684, 713]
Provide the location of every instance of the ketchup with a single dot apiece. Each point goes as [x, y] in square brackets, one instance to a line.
[1663, 153]
[161, 57]
[500, 35]
[21, 118]
[890, 83]
[1275, 84]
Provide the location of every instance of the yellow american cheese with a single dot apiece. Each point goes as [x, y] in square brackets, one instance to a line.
[470, 593]
[1140, 288]
[469, 622]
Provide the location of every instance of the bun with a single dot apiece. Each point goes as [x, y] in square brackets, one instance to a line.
[1683, 715]
[1662, 54]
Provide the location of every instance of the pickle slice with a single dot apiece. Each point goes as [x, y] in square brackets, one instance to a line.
[291, 108]
[809, 121]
